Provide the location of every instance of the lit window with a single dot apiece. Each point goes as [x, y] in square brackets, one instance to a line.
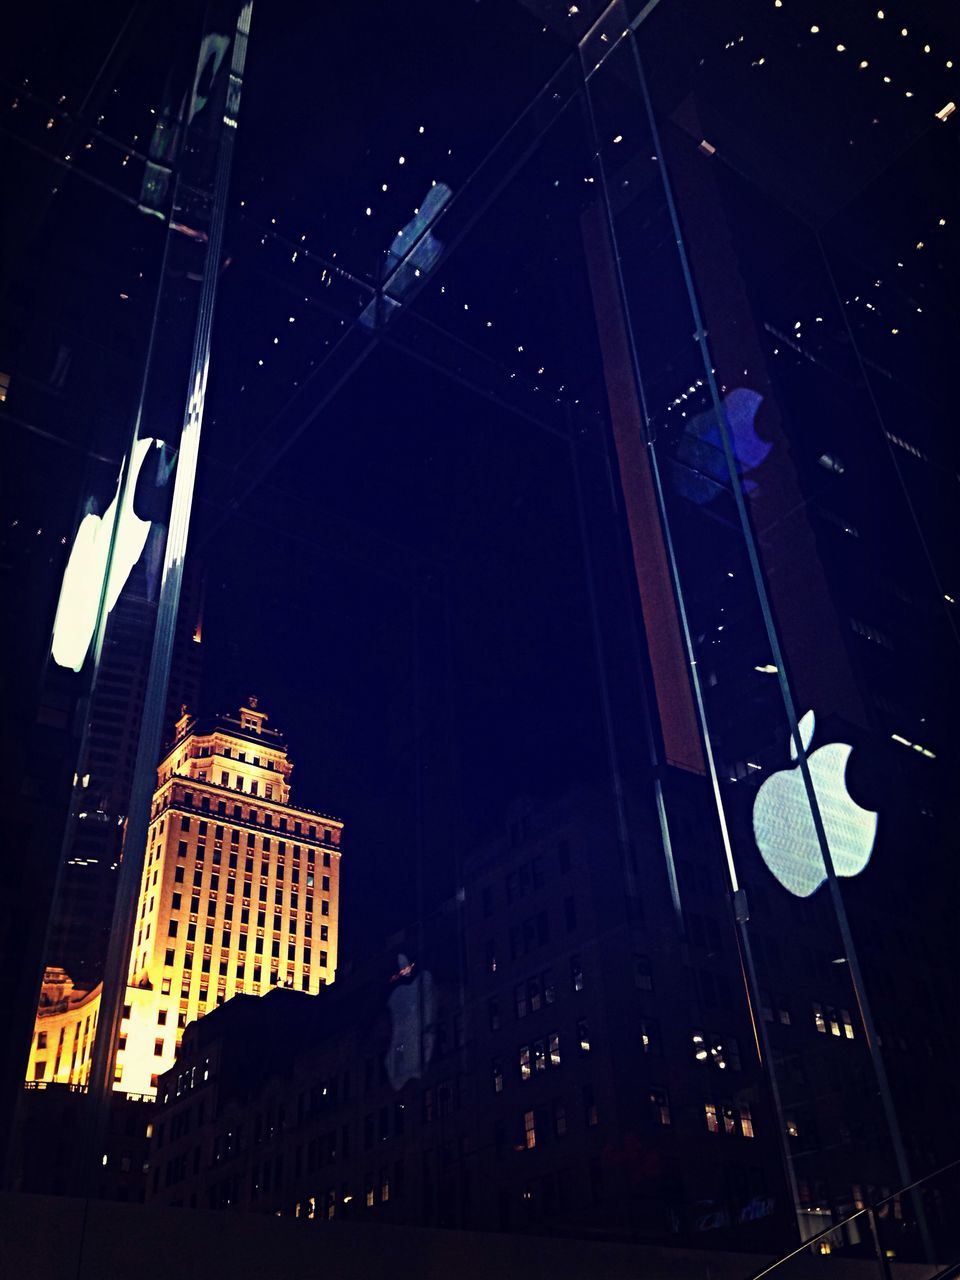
[713, 1122]
[497, 1068]
[525, 1071]
[819, 1019]
[529, 1130]
[553, 1042]
[583, 1035]
[746, 1122]
[649, 1036]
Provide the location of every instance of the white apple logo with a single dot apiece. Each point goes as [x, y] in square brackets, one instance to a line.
[411, 1016]
[83, 577]
[783, 825]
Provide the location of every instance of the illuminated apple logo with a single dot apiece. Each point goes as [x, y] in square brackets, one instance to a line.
[83, 577]
[411, 1016]
[783, 825]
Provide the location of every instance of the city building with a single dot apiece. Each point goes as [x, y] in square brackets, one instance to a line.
[544, 1055]
[83, 909]
[240, 893]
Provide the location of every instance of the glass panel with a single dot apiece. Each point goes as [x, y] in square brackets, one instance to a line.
[568, 574]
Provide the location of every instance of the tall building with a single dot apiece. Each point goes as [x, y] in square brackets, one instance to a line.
[80, 922]
[240, 894]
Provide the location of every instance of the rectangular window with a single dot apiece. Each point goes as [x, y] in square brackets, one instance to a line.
[520, 999]
[576, 973]
[649, 1036]
[710, 1112]
[660, 1105]
[158, 1048]
[559, 1118]
[642, 973]
[818, 1018]
[497, 1072]
[553, 1047]
[583, 1035]
[525, 1071]
[746, 1122]
[591, 1116]
[529, 1130]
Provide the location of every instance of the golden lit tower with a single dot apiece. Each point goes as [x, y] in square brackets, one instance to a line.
[240, 893]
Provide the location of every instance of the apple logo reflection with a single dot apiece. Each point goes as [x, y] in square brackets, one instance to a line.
[698, 465]
[86, 566]
[411, 1009]
[783, 824]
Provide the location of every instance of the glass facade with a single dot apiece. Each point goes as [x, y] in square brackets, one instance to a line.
[575, 492]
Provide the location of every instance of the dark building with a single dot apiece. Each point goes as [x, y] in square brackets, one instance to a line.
[83, 910]
[545, 1055]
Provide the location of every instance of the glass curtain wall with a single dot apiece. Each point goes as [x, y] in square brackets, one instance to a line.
[566, 506]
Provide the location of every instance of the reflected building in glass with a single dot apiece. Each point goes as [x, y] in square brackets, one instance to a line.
[240, 893]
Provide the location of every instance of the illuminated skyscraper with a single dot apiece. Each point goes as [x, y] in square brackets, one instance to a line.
[240, 893]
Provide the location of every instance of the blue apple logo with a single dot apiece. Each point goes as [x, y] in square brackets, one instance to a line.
[699, 468]
[412, 256]
[783, 825]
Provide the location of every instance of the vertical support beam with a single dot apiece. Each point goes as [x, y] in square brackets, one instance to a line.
[227, 100]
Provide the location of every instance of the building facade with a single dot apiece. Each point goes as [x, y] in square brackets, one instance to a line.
[83, 909]
[240, 894]
[542, 1055]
